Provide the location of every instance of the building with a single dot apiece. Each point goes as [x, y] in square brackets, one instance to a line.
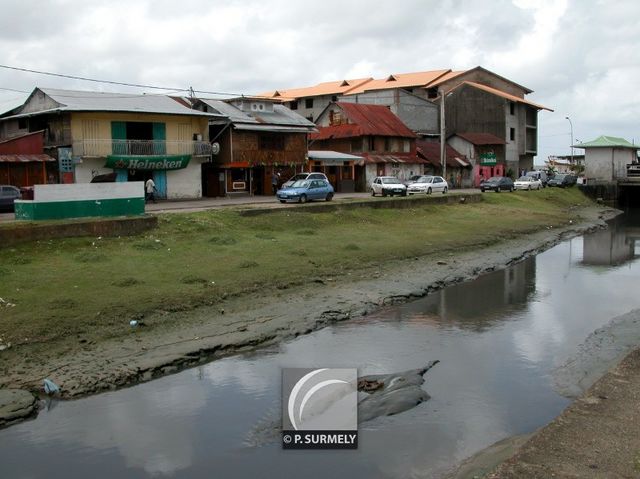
[23, 162]
[477, 101]
[459, 170]
[565, 163]
[258, 138]
[385, 144]
[136, 136]
[486, 152]
[610, 159]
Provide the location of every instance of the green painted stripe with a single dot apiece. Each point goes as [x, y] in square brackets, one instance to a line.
[56, 210]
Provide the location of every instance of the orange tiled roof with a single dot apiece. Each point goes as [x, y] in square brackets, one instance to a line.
[400, 80]
[325, 88]
[508, 96]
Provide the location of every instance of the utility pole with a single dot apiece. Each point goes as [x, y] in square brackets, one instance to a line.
[571, 124]
[443, 138]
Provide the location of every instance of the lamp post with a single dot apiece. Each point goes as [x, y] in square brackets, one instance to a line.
[443, 158]
[571, 125]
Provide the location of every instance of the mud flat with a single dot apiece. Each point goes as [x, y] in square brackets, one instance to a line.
[243, 323]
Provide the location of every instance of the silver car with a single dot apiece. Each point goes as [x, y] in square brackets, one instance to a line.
[388, 185]
[428, 185]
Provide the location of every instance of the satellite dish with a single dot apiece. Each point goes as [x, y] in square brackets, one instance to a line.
[215, 148]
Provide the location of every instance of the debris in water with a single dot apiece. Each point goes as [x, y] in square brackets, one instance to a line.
[50, 387]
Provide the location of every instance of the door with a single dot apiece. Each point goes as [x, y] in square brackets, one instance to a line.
[160, 179]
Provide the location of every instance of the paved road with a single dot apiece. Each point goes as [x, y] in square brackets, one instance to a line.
[202, 204]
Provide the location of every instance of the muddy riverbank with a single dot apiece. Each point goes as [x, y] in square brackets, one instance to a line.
[239, 324]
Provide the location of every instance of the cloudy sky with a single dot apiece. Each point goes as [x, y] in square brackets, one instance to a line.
[581, 57]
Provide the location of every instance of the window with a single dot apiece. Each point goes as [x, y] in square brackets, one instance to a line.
[512, 134]
[372, 144]
[334, 98]
[406, 146]
[22, 124]
[293, 105]
[387, 144]
[432, 93]
[271, 142]
[308, 103]
[512, 108]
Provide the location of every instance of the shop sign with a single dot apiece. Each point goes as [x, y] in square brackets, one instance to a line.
[163, 162]
[488, 158]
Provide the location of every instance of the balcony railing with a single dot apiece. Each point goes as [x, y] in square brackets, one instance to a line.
[99, 148]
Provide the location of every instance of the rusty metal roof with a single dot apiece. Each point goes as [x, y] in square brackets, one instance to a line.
[404, 158]
[25, 158]
[365, 120]
[480, 139]
[430, 151]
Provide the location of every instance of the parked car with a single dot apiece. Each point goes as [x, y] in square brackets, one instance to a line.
[413, 179]
[539, 175]
[497, 184]
[527, 183]
[428, 185]
[388, 185]
[306, 190]
[563, 180]
[8, 194]
[304, 176]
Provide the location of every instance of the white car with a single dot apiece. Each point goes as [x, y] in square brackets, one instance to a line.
[388, 185]
[527, 183]
[304, 176]
[428, 185]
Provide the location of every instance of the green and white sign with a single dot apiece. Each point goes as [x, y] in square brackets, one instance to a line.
[488, 158]
[156, 162]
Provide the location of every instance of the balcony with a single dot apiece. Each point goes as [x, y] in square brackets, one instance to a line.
[102, 148]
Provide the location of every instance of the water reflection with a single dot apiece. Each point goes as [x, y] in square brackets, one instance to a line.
[498, 338]
[613, 246]
[480, 304]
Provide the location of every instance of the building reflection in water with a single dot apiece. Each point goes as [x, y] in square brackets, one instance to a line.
[479, 304]
[612, 246]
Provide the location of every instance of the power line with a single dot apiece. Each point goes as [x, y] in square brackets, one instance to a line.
[111, 82]
[13, 89]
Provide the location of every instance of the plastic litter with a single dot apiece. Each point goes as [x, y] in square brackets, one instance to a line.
[50, 387]
[133, 323]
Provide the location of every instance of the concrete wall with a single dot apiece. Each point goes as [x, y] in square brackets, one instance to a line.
[463, 147]
[86, 191]
[607, 164]
[185, 183]
[319, 104]
[90, 167]
[418, 114]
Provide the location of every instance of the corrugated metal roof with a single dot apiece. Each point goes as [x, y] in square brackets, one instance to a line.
[369, 159]
[272, 128]
[281, 116]
[480, 139]
[365, 120]
[325, 88]
[73, 100]
[331, 155]
[607, 142]
[430, 151]
[502, 94]
[24, 158]
[400, 80]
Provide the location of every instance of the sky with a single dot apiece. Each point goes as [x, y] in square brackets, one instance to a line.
[581, 57]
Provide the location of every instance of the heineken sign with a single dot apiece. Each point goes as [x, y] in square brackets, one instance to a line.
[156, 162]
[488, 158]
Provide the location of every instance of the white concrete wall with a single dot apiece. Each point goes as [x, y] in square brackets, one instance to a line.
[88, 191]
[607, 164]
[185, 183]
[463, 147]
[89, 168]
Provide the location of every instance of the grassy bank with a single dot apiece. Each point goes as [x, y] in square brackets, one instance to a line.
[91, 288]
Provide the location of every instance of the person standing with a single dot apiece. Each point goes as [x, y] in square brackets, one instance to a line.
[150, 188]
[275, 178]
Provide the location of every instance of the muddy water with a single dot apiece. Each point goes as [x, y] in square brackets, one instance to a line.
[498, 339]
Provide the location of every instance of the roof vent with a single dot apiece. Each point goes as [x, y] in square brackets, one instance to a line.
[344, 83]
[392, 78]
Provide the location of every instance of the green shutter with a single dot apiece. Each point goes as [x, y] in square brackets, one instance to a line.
[159, 138]
[118, 132]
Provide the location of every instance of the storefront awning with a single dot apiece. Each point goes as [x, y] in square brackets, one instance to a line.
[25, 158]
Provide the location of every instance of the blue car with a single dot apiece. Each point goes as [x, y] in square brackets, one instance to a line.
[306, 190]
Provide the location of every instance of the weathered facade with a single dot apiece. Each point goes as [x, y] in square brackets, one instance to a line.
[387, 146]
[260, 140]
[23, 162]
[135, 136]
[610, 159]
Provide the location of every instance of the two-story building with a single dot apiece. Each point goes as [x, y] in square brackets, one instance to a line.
[384, 143]
[134, 136]
[258, 138]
